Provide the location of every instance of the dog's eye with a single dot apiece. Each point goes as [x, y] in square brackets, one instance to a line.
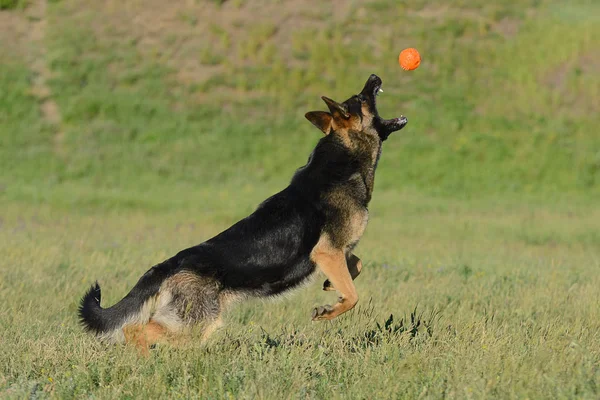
[362, 98]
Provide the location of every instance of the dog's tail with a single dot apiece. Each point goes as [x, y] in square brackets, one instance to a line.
[136, 307]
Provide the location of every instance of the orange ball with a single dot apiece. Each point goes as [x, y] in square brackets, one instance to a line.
[409, 59]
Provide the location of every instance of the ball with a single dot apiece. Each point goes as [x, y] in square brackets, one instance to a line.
[409, 59]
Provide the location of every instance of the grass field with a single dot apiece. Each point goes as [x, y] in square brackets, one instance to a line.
[131, 130]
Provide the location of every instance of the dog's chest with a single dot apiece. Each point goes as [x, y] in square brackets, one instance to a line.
[353, 209]
[347, 216]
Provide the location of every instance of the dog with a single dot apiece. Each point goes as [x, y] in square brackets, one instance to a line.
[315, 222]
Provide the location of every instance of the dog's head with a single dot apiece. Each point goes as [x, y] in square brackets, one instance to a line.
[357, 114]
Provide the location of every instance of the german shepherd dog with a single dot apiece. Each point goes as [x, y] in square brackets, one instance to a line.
[315, 222]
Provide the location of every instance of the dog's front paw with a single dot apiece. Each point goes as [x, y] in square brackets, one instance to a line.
[322, 312]
[327, 286]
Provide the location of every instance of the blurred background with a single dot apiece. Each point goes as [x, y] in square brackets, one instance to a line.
[152, 104]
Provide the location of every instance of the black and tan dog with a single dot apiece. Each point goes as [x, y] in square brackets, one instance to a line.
[315, 222]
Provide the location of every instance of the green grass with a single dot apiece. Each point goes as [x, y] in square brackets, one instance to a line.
[484, 218]
[13, 4]
[506, 306]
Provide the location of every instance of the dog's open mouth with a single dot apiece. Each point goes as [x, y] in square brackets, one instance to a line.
[385, 127]
[374, 83]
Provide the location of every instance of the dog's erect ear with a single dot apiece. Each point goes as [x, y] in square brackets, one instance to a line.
[334, 106]
[320, 119]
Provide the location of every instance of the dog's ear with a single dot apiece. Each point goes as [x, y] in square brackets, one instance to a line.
[321, 120]
[334, 107]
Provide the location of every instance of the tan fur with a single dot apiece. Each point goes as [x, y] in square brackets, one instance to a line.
[195, 298]
[165, 313]
[367, 119]
[355, 222]
[332, 261]
[354, 267]
[144, 336]
[211, 328]
[340, 127]
[228, 298]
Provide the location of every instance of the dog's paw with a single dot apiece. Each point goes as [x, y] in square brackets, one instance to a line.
[322, 312]
[327, 286]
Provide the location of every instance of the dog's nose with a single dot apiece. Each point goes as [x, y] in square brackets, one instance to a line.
[374, 80]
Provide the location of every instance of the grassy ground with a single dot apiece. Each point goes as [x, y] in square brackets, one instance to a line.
[506, 303]
[130, 131]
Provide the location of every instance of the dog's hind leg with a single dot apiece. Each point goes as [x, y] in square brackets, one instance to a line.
[211, 328]
[198, 300]
[185, 299]
[215, 322]
[332, 262]
[144, 335]
[354, 267]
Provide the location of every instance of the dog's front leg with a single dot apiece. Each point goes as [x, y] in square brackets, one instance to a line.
[332, 262]
[354, 267]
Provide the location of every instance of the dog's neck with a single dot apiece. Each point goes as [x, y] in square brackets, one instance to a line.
[340, 160]
[367, 147]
